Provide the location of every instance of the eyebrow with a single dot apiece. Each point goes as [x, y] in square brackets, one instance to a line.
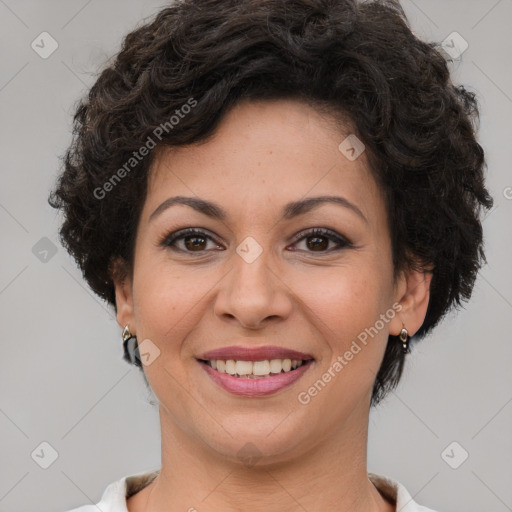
[290, 210]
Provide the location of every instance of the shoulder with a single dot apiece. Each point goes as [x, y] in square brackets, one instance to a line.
[397, 493]
[112, 500]
[115, 495]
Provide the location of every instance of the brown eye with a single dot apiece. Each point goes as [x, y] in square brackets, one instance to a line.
[194, 240]
[318, 239]
[317, 242]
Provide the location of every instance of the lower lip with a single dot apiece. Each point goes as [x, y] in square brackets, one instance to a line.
[255, 387]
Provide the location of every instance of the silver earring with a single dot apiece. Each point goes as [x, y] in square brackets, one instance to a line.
[130, 347]
[404, 339]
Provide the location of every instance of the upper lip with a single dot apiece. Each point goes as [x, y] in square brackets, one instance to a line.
[253, 353]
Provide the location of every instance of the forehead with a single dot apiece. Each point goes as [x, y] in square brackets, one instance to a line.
[265, 153]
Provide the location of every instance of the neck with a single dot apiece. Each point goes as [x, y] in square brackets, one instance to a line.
[331, 475]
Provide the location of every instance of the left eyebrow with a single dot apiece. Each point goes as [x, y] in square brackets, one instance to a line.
[290, 210]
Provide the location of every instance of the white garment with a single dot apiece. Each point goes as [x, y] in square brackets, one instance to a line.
[114, 496]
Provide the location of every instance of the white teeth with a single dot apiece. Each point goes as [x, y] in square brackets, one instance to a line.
[230, 367]
[275, 365]
[261, 368]
[250, 369]
[243, 367]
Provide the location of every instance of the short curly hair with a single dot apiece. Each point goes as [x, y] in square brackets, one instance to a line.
[357, 61]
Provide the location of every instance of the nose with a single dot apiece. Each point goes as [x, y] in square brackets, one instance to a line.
[253, 293]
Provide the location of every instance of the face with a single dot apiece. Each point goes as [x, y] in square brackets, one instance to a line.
[262, 277]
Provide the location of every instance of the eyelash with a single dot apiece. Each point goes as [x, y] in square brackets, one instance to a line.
[342, 242]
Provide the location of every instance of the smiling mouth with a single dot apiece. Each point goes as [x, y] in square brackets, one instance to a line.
[264, 369]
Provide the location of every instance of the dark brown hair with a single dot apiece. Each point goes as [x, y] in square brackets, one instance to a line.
[356, 60]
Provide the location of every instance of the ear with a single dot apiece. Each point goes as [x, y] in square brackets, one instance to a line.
[412, 294]
[124, 293]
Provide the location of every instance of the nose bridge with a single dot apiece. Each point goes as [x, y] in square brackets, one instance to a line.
[252, 267]
[252, 290]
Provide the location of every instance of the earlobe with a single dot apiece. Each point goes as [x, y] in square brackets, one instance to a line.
[413, 296]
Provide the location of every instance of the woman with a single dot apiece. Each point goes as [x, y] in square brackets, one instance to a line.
[276, 197]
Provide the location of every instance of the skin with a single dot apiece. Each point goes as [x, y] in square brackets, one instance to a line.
[263, 155]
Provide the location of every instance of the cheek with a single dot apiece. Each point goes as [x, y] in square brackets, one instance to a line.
[343, 302]
[169, 305]
[343, 307]
[169, 300]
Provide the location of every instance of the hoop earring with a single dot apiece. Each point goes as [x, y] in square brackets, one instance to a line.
[404, 339]
[130, 347]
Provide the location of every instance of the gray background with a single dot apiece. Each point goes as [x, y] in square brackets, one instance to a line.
[62, 377]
